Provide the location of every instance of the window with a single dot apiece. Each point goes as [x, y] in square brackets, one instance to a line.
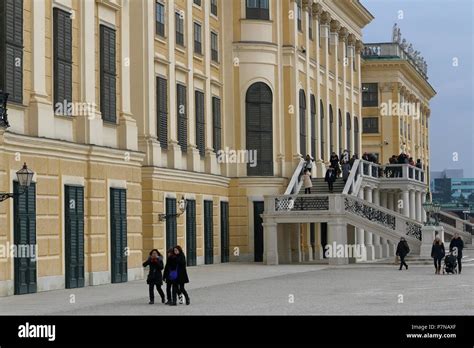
[313, 126]
[302, 123]
[200, 122]
[370, 95]
[321, 127]
[182, 117]
[356, 135]
[409, 132]
[160, 19]
[171, 223]
[348, 131]
[197, 2]
[340, 130]
[259, 129]
[179, 20]
[298, 5]
[162, 111]
[310, 25]
[214, 47]
[62, 57]
[331, 129]
[216, 124]
[107, 74]
[370, 125]
[214, 7]
[197, 38]
[258, 9]
[11, 49]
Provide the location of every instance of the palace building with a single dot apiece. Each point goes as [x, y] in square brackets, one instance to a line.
[122, 110]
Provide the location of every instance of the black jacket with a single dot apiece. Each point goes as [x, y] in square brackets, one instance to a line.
[171, 264]
[182, 272]
[330, 175]
[154, 275]
[457, 243]
[402, 248]
[437, 251]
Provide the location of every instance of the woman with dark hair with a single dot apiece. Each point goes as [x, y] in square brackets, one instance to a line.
[437, 253]
[169, 277]
[155, 278]
[182, 273]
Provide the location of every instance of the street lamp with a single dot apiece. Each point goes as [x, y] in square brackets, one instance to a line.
[25, 177]
[182, 205]
[428, 207]
[436, 210]
[3, 110]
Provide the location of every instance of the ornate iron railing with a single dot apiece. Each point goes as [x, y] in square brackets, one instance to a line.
[413, 230]
[369, 213]
[301, 203]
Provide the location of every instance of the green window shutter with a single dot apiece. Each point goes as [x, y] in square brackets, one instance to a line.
[108, 102]
[191, 232]
[217, 126]
[11, 49]
[118, 225]
[348, 131]
[182, 117]
[208, 233]
[162, 109]
[259, 128]
[321, 127]
[313, 126]
[200, 123]
[171, 228]
[302, 123]
[225, 241]
[331, 130]
[62, 28]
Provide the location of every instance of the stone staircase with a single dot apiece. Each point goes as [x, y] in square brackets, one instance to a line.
[321, 187]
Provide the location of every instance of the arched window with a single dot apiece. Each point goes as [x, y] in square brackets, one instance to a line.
[340, 132]
[313, 126]
[331, 130]
[302, 123]
[321, 127]
[259, 129]
[348, 131]
[356, 135]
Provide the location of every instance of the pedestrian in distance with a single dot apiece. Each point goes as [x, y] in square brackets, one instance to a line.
[330, 178]
[456, 246]
[308, 165]
[335, 163]
[437, 253]
[170, 276]
[307, 181]
[155, 278]
[402, 251]
[182, 273]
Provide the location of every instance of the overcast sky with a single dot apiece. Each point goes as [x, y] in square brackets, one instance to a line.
[442, 30]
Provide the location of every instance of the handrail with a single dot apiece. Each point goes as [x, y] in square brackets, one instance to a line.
[458, 222]
[349, 187]
[392, 171]
[293, 184]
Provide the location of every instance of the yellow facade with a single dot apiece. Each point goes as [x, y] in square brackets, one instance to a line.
[99, 155]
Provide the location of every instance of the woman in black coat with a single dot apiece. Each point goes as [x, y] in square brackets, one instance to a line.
[155, 262]
[402, 251]
[456, 247]
[182, 273]
[437, 253]
[172, 290]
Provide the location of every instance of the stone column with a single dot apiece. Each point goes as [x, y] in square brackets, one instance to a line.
[360, 235]
[412, 205]
[406, 202]
[419, 207]
[368, 235]
[390, 200]
[270, 254]
[423, 212]
[337, 240]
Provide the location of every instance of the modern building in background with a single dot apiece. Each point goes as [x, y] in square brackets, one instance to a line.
[122, 108]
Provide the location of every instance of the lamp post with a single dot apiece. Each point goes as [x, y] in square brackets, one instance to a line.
[25, 177]
[428, 207]
[182, 205]
[3, 110]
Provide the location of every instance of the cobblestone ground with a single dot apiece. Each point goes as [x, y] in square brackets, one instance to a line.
[254, 289]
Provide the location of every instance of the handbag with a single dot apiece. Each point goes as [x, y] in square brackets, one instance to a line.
[173, 274]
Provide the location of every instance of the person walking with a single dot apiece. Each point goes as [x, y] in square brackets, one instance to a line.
[330, 178]
[437, 253]
[308, 165]
[402, 251]
[335, 163]
[170, 276]
[155, 278]
[182, 273]
[307, 182]
[456, 246]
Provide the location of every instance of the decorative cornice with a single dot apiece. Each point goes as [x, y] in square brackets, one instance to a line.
[317, 10]
[325, 18]
[351, 40]
[335, 25]
[359, 46]
[343, 34]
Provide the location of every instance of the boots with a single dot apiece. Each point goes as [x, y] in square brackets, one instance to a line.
[439, 270]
